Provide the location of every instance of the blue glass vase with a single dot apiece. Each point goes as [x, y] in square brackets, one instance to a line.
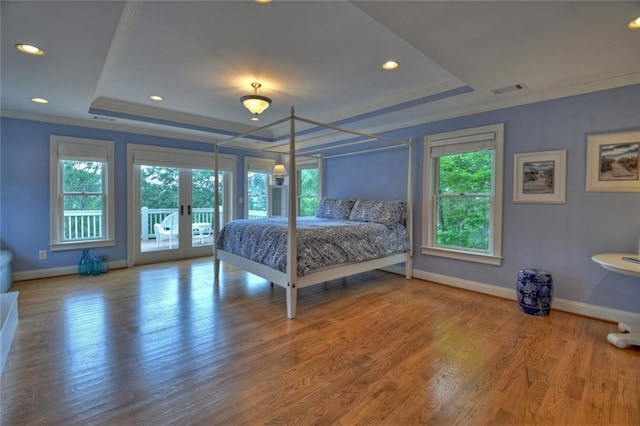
[96, 266]
[104, 264]
[85, 266]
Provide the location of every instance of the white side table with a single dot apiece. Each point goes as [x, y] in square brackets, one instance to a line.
[617, 262]
[202, 229]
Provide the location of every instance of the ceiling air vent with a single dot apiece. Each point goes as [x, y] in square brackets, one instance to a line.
[511, 88]
[101, 118]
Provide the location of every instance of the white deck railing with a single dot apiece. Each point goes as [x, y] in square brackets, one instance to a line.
[149, 217]
[82, 224]
[86, 224]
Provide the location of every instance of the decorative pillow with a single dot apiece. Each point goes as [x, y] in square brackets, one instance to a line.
[335, 208]
[377, 211]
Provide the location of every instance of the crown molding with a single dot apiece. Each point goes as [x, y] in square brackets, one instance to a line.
[119, 127]
[133, 111]
[127, 18]
[112, 126]
[623, 81]
[203, 137]
[385, 102]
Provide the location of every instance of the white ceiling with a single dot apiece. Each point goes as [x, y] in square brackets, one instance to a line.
[104, 58]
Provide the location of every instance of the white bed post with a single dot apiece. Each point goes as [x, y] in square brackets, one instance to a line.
[408, 266]
[292, 258]
[216, 218]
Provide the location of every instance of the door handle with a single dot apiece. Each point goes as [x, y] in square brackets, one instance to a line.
[189, 209]
[181, 209]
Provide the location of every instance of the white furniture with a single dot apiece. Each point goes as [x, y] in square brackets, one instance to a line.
[290, 281]
[623, 264]
[6, 274]
[201, 229]
[277, 206]
[167, 229]
[8, 323]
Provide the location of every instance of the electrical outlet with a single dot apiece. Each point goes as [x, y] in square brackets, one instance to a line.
[42, 254]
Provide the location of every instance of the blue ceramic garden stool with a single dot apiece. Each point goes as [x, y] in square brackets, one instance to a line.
[535, 291]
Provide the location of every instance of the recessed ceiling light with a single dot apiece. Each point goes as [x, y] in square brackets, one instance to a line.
[390, 65]
[254, 119]
[263, 1]
[29, 49]
[156, 98]
[39, 100]
[635, 24]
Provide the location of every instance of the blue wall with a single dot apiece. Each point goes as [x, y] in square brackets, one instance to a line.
[558, 238]
[24, 190]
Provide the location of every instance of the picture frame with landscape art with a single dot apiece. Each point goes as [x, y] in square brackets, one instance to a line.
[612, 162]
[540, 177]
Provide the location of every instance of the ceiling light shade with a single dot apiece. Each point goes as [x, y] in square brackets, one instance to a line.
[635, 24]
[255, 103]
[29, 49]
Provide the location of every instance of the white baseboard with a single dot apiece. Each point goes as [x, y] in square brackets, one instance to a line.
[57, 272]
[579, 308]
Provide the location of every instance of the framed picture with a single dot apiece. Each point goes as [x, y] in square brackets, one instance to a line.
[540, 177]
[612, 162]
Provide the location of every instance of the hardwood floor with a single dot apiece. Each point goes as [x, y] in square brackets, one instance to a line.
[163, 344]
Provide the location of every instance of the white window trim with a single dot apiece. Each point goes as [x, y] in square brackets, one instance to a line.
[306, 164]
[446, 142]
[138, 155]
[262, 165]
[177, 157]
[87, 149]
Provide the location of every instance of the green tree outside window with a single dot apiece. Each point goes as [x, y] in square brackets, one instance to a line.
[463, 201]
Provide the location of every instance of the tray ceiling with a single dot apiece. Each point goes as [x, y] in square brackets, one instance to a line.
[104, 58]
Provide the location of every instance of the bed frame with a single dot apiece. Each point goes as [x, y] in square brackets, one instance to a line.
[289, 279]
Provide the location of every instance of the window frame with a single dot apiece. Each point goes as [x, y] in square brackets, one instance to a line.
[307, 165]
[260, 165]
[462, 141]
[80, 149]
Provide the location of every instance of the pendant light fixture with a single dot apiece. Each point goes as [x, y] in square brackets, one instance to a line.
[254, 102]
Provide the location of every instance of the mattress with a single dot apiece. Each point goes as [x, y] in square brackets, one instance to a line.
[321, 242]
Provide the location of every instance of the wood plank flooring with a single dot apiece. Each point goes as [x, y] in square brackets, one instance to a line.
[164, 344]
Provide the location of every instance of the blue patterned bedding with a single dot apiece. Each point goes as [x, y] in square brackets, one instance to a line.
[321, 242]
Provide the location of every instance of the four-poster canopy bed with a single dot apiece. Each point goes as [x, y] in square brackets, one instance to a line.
[380, 231]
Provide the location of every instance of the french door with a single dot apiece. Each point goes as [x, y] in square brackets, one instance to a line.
[175, 203]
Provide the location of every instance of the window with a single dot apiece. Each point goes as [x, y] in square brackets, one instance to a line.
[307, 175]
[463, 199]
[81, 193]
[258, 179]
[259, 176]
